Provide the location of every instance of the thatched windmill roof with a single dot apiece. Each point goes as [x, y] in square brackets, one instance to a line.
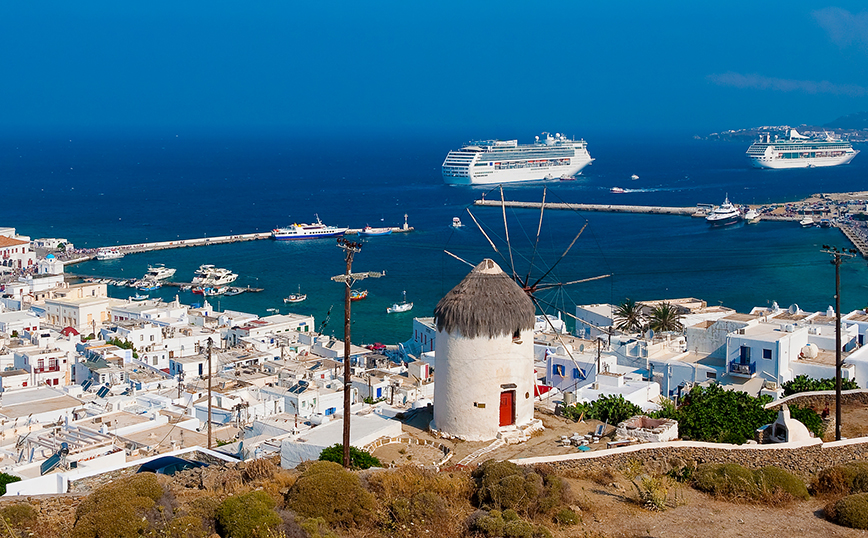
[486, 303]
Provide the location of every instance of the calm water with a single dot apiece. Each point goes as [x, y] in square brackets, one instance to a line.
[99, 191]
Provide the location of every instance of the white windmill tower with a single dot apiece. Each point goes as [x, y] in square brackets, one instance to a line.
[485, 338]
[485, 376]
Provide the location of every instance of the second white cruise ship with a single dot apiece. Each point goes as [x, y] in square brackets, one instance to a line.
[507, 161]
[798, 151]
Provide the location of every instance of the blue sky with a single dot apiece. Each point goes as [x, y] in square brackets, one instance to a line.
[487, 66]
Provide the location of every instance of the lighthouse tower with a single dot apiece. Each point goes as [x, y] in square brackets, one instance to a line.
[484, 363]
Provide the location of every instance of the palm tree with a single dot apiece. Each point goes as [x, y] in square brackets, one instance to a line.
[664, 318]
[628, 316]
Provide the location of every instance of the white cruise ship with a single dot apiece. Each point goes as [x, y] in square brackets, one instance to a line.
[506, 161]
[798, 151]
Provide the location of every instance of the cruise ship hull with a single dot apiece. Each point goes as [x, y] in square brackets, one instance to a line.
[493, 177]
[293, 236]
[808, 162]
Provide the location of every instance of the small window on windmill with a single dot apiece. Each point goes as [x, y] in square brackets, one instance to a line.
[516, 336]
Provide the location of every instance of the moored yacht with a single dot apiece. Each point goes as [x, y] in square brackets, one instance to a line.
[724, 215]
[210, 276]
[159, 272]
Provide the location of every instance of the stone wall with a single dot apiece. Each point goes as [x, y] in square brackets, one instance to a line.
[821, 399]
[803, 459]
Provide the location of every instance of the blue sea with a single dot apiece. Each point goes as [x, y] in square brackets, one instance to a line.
[102, 190]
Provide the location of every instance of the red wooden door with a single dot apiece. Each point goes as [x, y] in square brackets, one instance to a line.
[507, 408]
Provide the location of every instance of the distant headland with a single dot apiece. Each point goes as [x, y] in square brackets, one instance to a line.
[852, 127]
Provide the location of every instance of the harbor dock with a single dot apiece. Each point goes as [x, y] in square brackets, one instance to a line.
[607, 208]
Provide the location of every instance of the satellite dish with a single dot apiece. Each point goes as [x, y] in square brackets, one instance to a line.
[793, 309]
[581, 347]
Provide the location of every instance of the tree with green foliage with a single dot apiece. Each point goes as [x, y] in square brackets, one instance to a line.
[7, 479]
[628, 316]
[665, 317]
[803, 383]
[359, 459]
[718, 415]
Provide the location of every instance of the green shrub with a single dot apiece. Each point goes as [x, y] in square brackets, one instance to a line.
[518, 528]
[774, 481]
[316, 527]
[503, 485]
[852, 511]
[803, 383]
[565, 517]
[327, 490]
[7, 479]
[249, 515]
[728, 480]
[490, 524]
[734, 482]
[359, 459]
[843, 479]
[611, 409]
[809, 418]
[120, 509]
[717, 415]
[186, 527]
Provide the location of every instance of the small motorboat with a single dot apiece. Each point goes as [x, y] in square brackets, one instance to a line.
[806, 222]
[403, 306]
[634, 177]
[751, 217]
[149, 286]
[825, 223]
[617, 190]
[139, 297]
[456, 222]
[234, 291]
[358, 295]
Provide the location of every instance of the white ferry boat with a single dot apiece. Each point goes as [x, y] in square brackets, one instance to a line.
[210, 276]
[159, 272]
[307, 231]
[506, 161]
[109, 254]
[798, 151]
[724, 215]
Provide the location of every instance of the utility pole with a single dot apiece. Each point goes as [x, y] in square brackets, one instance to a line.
[209, 392]
[348, 278]
[836, 261]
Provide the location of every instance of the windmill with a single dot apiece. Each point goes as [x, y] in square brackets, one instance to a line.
[538, 280]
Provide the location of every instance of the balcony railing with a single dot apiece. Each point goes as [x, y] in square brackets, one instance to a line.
[743, 369]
